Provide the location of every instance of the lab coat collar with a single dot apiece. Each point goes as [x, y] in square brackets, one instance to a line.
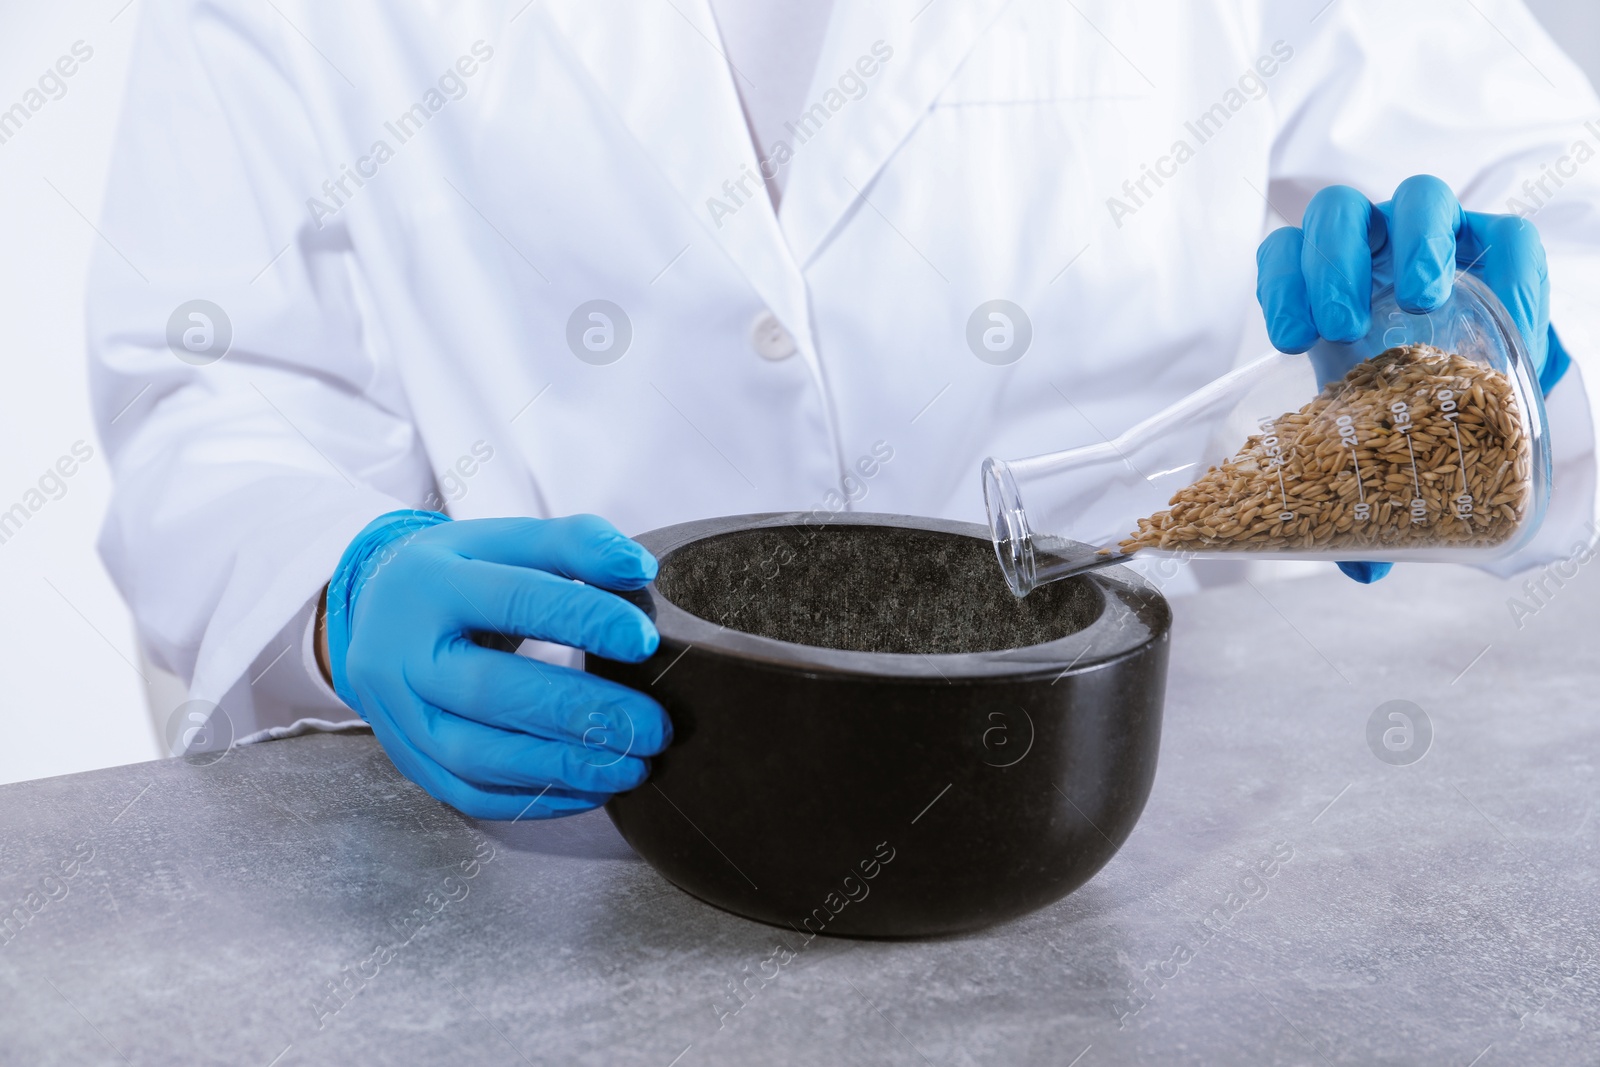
[927, 40]
[662, 67]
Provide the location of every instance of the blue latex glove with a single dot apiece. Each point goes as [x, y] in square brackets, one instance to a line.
[494, 734]
[1316, 280]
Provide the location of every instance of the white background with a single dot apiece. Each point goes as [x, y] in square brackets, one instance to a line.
[73, 691]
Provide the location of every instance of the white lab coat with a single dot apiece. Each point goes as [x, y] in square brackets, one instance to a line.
[386, 336]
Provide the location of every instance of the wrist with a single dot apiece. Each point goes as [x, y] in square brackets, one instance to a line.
[319, 638]
[1556, 362]
[367, 551]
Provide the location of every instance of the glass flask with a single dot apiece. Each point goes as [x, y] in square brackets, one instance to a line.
[1424, 440]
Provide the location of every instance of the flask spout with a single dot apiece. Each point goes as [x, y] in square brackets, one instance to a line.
[1029, 559]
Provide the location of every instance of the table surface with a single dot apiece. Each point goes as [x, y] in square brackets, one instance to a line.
[299, 902]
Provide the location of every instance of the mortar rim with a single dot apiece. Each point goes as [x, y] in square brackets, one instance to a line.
[1133, 614]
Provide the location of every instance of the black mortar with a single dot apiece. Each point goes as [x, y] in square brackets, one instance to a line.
[828, 683]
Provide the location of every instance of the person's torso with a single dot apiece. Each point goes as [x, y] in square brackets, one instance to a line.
[1093, 168]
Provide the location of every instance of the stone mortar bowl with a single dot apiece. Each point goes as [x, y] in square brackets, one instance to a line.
[873, 737]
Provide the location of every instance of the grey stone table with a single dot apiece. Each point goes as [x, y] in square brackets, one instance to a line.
[1288, 898]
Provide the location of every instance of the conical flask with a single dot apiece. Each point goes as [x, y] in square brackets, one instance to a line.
[1424, 440]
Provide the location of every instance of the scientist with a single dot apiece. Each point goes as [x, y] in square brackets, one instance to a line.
[394, 298]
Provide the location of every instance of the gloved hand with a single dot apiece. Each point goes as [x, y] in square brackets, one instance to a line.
[1316, 280]
[496, 735]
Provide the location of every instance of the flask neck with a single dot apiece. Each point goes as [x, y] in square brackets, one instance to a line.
[1008, 526]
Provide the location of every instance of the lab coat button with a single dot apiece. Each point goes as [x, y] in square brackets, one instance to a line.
[770, 339]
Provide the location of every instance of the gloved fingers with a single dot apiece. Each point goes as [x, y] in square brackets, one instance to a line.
[1423, 220]
[478, 801]
[485, 756]
[585, 547]
[1366, 573]
[511, 692]
[1506, 252]
[1281, 291]
[1342, 232]
[523, 602]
